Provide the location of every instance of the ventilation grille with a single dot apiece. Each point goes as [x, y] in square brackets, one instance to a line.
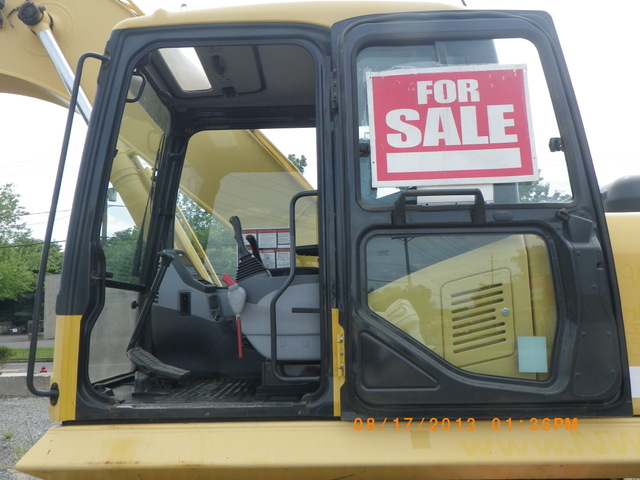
[478, 318]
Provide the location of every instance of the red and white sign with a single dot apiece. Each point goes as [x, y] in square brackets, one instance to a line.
[450, 126]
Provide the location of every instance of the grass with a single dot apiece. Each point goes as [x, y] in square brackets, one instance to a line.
[5, 355]
[42, 353]
[19, 451]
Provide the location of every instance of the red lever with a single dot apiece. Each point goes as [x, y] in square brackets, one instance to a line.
[237, 297]
[228, 279]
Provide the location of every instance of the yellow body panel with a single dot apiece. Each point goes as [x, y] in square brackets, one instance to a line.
[335, 449]
[624, 230]
[79, 27]
[65, 366]
[338, 365]
[323, 14]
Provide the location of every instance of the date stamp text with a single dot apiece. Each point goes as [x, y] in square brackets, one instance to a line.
[464, 424]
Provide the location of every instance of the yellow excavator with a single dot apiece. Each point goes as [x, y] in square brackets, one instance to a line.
[451, 301]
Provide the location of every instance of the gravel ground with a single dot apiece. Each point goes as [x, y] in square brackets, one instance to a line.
[23, 420]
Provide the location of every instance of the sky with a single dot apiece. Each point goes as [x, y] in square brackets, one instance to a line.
[598, 44]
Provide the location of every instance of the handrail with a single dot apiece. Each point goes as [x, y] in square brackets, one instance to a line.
[283, 288]
[46, 246]
[398, 217]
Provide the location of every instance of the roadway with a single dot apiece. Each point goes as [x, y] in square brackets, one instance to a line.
[22, 341]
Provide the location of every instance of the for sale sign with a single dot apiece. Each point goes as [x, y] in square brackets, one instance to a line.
[450, 125]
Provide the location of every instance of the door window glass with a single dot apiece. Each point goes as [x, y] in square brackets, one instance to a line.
[130, 196]
[125, 223]
[458, 113]
[482, 302]
[253, 182]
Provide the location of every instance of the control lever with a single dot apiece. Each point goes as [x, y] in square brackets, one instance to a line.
[255, 249]
[248, 265]
[237, 298]
[164, 260]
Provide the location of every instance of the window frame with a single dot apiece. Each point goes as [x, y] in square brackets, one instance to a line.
[435, 388]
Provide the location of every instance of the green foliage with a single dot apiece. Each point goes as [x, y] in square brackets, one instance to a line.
[42, 354]
[119, 251]
[538, 192]
[19, 451]
[212, 235]
[19, 252]
[198, 219]
[215, 238]
[17, 312]
[11, 228]
[5, 355]
[300, 163]
[222, 249]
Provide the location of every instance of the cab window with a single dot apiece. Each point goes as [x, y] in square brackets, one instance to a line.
[458, 113]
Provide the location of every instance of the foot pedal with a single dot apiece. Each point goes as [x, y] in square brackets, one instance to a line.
[150, 364]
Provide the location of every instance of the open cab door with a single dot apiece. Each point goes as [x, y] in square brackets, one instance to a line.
[473, 232]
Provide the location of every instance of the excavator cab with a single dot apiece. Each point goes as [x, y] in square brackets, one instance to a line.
[437, 286]
[449, 258]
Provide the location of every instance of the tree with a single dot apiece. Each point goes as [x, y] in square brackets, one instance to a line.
[214, 237]
[10, 213]
[19, 252]
[538, 192]
[300, 163]
[120, 250]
